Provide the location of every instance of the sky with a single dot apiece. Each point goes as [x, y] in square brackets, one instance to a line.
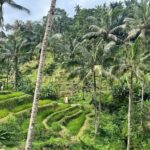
[39, 8]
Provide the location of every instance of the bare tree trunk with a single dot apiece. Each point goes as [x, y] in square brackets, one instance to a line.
[141, 116]
[7, 73]
[129, 111]
[94, 80]
[16, 72]
[39, 77]
[83, 93]
[142, 100]
[99, 107]
[96, 110]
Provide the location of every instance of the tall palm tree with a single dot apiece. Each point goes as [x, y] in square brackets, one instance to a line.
[39, 76]
[89, 58]
[14, 49]
[12, 4]
[132, 64]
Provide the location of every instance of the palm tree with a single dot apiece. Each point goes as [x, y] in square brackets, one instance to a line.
[139, 23]
[132, 64]
[39, 76]
[14, 48]
[89, 57]
[111, 27]
[12, 4]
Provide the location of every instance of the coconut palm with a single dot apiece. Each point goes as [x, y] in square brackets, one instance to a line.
[133, 63]
[89, 58]
[111, 27]
[13, 5]
[39, 76]
[14, 50]
[139, 23]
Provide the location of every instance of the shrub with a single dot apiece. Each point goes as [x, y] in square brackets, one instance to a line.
[50, 69]
[56, 126]
[10, 133]
[27, 86]
[50, 92]
[3, 113]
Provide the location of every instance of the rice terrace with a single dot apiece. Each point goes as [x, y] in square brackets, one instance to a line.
[75, 75]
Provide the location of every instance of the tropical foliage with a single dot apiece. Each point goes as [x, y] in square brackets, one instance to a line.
[97, 61]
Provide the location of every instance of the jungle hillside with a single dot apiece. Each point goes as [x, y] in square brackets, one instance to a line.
[78, 82]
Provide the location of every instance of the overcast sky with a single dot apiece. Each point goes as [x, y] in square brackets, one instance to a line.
[39, 8]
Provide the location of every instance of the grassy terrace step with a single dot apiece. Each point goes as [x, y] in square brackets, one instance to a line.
[23, 109]
[55, 116]
[44, 111]
[3, 113]
[5, 96]
[5, 92]
[70, 117]
[29, 105]
[11, 103]
[42, 114]
[75, 125]
[59, 115]
[25, 114]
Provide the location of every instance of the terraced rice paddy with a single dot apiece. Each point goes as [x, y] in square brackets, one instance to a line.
[52, 116]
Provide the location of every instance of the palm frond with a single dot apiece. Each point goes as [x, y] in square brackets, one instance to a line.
[118, 28]
[108, 47]
[17, 6]
[95, 28]
[133, 34]
[91, 35]
[114, 38]
[128, 20]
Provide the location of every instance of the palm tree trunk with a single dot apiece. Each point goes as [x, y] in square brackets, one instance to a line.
[1, 15]
[7, 73]
[99, 107]
[142, 100]
[16, 72]
[129, 111]
[83, 93]
[94, 95]
[39, 77]
[94, 79]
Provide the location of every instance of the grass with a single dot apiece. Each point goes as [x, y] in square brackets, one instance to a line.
[16, 101]
[43, 114]
[44, 102]
[59, 115]
[29, 105]
[3, 113]
[5, 92]
[22, 107]
[12, 95]
[74, 125]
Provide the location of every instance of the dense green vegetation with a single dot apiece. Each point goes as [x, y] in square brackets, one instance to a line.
[99, 60]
